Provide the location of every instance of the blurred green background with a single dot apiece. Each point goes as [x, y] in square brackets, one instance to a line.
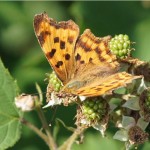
[23, 57]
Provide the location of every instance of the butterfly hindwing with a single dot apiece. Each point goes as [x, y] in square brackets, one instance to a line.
[57, 41]
[106, 85]
[95, 50]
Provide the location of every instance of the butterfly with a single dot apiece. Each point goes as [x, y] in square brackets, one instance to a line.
[84, 63]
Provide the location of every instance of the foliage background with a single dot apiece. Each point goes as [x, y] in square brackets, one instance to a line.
[23, 57]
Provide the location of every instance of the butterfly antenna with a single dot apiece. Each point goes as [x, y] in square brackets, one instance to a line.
[33, 94]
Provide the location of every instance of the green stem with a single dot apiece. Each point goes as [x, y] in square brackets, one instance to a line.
[68, 143]
[52, 144]
[35, 129]
[51, 141]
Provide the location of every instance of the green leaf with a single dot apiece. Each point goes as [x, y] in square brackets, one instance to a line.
[10, 125]
[93, 141]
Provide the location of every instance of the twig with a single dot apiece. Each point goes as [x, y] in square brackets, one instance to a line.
[51, 141]
[36, 130]
[68, 143]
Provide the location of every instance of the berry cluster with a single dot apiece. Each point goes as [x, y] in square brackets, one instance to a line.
[55, 82]
[120, 45]
[94, 109]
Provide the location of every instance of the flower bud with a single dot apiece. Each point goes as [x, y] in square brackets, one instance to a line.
[25, 102]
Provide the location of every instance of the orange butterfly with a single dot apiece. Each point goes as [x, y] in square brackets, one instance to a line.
[83, 63]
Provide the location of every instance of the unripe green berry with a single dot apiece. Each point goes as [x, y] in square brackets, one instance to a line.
[99, 111]
[126, 37]
[120, 36]
[91, 104]
[121, 41]
[115, 46]
[55, 82]
[120, 53]
[115, 52]
[95, 107]
[90, 111]
[85, 110]
[100, 105]
[125, 45]
[124, 51]
[93, 116]
[120, 45]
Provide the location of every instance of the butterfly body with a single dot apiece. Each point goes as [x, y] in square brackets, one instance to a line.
[83, 63]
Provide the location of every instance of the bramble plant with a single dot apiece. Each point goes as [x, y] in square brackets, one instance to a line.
[128, 109]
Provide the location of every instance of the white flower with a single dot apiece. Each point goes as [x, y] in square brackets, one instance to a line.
[55, 100]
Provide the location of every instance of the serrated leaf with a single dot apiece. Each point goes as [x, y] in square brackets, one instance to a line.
[10, 126]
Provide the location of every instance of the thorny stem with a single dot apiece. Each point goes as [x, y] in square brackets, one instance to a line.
[35, 129]
[68, 143]
[51, 141]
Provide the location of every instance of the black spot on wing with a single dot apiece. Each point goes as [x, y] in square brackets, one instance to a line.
[82, 61]
[90, 59]
[67, 56]
[70, 39]
[43, 36]
[59, 63]
[98, 50]
[77, 57]
[62, 45]
[84, 46]
[50, 54]
[56, 40]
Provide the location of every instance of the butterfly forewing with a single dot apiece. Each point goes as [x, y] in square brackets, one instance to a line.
[57, 41]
